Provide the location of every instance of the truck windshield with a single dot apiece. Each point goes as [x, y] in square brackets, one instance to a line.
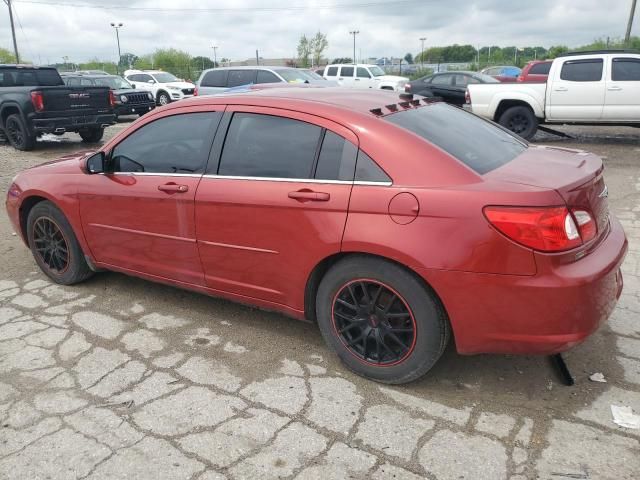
[477, 143]
[376, 71]
[29, 77]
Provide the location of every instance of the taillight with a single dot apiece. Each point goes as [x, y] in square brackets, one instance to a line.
[520, 78]
[38, 101]
[547, 229]
[112, 99]
[467, 96]
[195, 92]
[586, 225]
[407, 87]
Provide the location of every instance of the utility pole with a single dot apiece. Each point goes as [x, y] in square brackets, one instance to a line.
[257, 59]
[626, 37]
[117, 26]
[13, 31]
[422, 39]
[354, 33]
[215, 56]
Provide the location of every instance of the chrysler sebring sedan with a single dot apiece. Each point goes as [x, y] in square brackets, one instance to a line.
[394, 223]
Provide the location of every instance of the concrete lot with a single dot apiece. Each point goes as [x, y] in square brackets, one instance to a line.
[121, 378]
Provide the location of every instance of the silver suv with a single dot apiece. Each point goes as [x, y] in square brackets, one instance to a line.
[217, 80]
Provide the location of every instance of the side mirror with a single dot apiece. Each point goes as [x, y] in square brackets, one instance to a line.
[133, 86]
[95, 163]
[151, 81]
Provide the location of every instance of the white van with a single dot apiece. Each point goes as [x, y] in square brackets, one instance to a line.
[364, 76]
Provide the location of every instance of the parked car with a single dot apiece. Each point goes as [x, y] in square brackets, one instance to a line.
[217, 80]
[364, 76]
[535, 71]
[504, 74]
[587, 88]
[318, 203]
[35, 101]
[127, 100]
[166, 87]
[450, 86]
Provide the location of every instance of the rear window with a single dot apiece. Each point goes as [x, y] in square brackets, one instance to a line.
[241, 77]
[214, 78]
[540, 69]
[625, 70]
[19, 77]
[477, 143]
[582, 70]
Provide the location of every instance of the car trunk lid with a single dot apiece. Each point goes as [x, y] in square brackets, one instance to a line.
[576, 175]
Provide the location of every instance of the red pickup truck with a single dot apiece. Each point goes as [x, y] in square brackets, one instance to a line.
[535, 71]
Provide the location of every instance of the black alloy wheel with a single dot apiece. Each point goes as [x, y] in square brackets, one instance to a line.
[51, 245]
[374, 322]
[17, 133]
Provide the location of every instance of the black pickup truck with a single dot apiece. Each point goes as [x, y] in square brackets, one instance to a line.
[35, 100]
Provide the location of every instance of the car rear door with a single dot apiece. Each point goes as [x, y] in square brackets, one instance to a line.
[622, 99]
[274, 202]
[347, 76]
[140, 217]
[442, 85]
[577, 90]
[213, 81]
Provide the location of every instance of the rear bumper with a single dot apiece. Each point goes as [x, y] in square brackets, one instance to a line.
[71, 124]
[546, 313]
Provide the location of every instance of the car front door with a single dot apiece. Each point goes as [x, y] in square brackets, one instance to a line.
[140, 216]
[622, 99]
[363, 78]
[346, 77]
[273, 203]
[441, 86]
[577, 90]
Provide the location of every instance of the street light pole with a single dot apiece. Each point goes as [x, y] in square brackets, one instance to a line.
[354, 33]
[422, 39]
[629, 24]
[215, 56]
[117, 26]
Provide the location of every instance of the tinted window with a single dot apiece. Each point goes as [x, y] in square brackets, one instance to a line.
[214, 78]
[332, 71]
[582, 70]
[241, 77]
[464, 80]
[475, 142]
[441, 80]
[176, 144]
[337, 158]
[86, 82]
[625, 70]
[144, 77]
[18, 77]
[266, 77]
[269, 146]
[540, 69]
[363, 73]
[72, 82]
[368, 171]
[346, 72]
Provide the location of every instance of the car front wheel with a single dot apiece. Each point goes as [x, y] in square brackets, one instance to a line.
[383, 322]
[163, 98]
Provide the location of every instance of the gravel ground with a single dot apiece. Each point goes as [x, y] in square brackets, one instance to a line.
[122, 378]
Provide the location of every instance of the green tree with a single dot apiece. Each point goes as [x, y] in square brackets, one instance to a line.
[97, 64]
[127, 60]
[6, 56]
[318, 45]
[342, 60]
[202, 63]
[408, 58]
[304, 51]
[557, 50]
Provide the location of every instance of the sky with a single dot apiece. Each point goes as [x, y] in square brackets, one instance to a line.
[48, 31]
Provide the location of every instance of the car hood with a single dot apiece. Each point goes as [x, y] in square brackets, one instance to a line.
[66, 164]
[179, 84]
[392, 78]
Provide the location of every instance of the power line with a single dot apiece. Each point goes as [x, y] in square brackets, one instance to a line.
[225, 9]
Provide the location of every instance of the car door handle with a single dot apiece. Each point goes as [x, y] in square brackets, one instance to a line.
[561, 89]
[357, 79]
[340, 78]
[309, 195]
[615, 88]
[173, 188]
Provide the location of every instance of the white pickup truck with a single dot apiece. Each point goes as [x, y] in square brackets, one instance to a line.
[587, 88]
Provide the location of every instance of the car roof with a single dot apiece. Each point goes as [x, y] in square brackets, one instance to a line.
[250, 67]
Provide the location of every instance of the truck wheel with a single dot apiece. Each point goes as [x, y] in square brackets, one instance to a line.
[163, 98]
[520, 120]
[92, 135]
[17, 133]
[381, 320]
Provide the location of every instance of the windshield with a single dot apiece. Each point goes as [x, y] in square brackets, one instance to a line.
[376, 71]
[477, 143]
[165, 77]
[113, 83]
[293, 75]
[314, 75]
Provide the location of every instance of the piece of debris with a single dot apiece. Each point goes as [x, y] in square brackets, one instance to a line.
[598, 377]
[571, 475]
[127, 404]
[625, 417]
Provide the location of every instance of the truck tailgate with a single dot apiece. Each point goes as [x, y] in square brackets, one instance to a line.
[75, 100]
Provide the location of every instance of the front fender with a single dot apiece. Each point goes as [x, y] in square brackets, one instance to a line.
[527, 98]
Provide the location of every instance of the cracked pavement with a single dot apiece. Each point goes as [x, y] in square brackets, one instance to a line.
[121, 378]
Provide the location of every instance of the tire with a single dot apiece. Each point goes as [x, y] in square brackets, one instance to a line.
[520, 120]
[45, 221]
[17, 133]
[91, 135]
[424, 315]
[163, 98]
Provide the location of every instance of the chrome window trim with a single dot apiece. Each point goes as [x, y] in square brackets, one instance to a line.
[154, 174]
[296, 180]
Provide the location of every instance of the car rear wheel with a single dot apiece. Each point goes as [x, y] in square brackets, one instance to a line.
[54, 245]
[520, 120]
[18, 134]
[163, 98]
[92, 135]
[381, 320]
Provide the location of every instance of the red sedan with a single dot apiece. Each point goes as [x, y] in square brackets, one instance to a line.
[391, 222]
